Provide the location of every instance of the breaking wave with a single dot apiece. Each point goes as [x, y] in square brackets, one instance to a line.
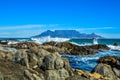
[48, 39]
[112, 47]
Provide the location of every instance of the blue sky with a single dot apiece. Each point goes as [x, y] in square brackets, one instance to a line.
[25, 18]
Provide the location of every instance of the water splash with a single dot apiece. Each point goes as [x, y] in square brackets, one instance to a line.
[48, 39]
[95, 41]
[112, 47]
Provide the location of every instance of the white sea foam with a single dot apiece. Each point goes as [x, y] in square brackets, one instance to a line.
[112, 47]
[95, 41]
[48, 39]
[12, 42]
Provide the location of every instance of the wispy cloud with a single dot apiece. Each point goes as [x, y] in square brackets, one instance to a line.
[31, 30]
[51, 26]
[26, 26]
[98, 28]
[110, 35]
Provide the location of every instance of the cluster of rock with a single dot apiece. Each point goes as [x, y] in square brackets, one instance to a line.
[31, 61]
[69, 48]
[34, 64]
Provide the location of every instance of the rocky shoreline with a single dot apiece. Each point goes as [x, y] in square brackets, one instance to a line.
[32, 61]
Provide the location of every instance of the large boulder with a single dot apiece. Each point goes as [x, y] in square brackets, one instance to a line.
[21, 57]
[105, 70]
[109, 66]
[55, 67]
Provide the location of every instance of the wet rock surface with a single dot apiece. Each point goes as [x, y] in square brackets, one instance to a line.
[69, 48]
[24, 45]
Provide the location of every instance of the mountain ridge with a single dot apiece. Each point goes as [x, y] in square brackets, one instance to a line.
[67, 34]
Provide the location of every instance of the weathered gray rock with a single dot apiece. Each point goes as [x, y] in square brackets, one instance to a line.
[28, 75]
[49, 62]
[42, 53]
[63, 74]
[54, 67]
[59, 63]
[33, 62]
[117, 72]
[22, 57]
[60, 74]
[51, 75]
[36, 77]
[105, 70]
[32, 59]
[109, 66]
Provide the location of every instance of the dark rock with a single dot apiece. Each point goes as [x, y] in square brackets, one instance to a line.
[3, 42]
[113, 61]
[115, 44]
[25, 45]
[69, 48]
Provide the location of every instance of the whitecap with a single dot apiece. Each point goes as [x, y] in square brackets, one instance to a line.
[112, 47]
[48, 39]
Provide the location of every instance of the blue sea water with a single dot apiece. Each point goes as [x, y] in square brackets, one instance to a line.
[90, 41]
[82, 62]
[90, 61]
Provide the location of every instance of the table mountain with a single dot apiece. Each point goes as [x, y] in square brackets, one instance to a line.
[67, 34]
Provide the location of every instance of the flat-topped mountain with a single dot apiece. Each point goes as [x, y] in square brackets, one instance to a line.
[67, 34]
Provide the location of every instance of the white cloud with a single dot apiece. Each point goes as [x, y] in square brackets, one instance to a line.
[99, 28]
[26, 26]
[31, 30]
[110, 35]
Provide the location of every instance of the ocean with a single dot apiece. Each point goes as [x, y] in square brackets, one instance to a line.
[90, 61]
[76, 61]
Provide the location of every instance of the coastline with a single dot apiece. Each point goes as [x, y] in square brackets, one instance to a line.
[36, 59]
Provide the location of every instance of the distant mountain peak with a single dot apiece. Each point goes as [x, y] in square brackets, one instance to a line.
[93, 34]
[67, 34]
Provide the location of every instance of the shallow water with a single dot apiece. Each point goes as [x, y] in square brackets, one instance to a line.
[88, 62]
